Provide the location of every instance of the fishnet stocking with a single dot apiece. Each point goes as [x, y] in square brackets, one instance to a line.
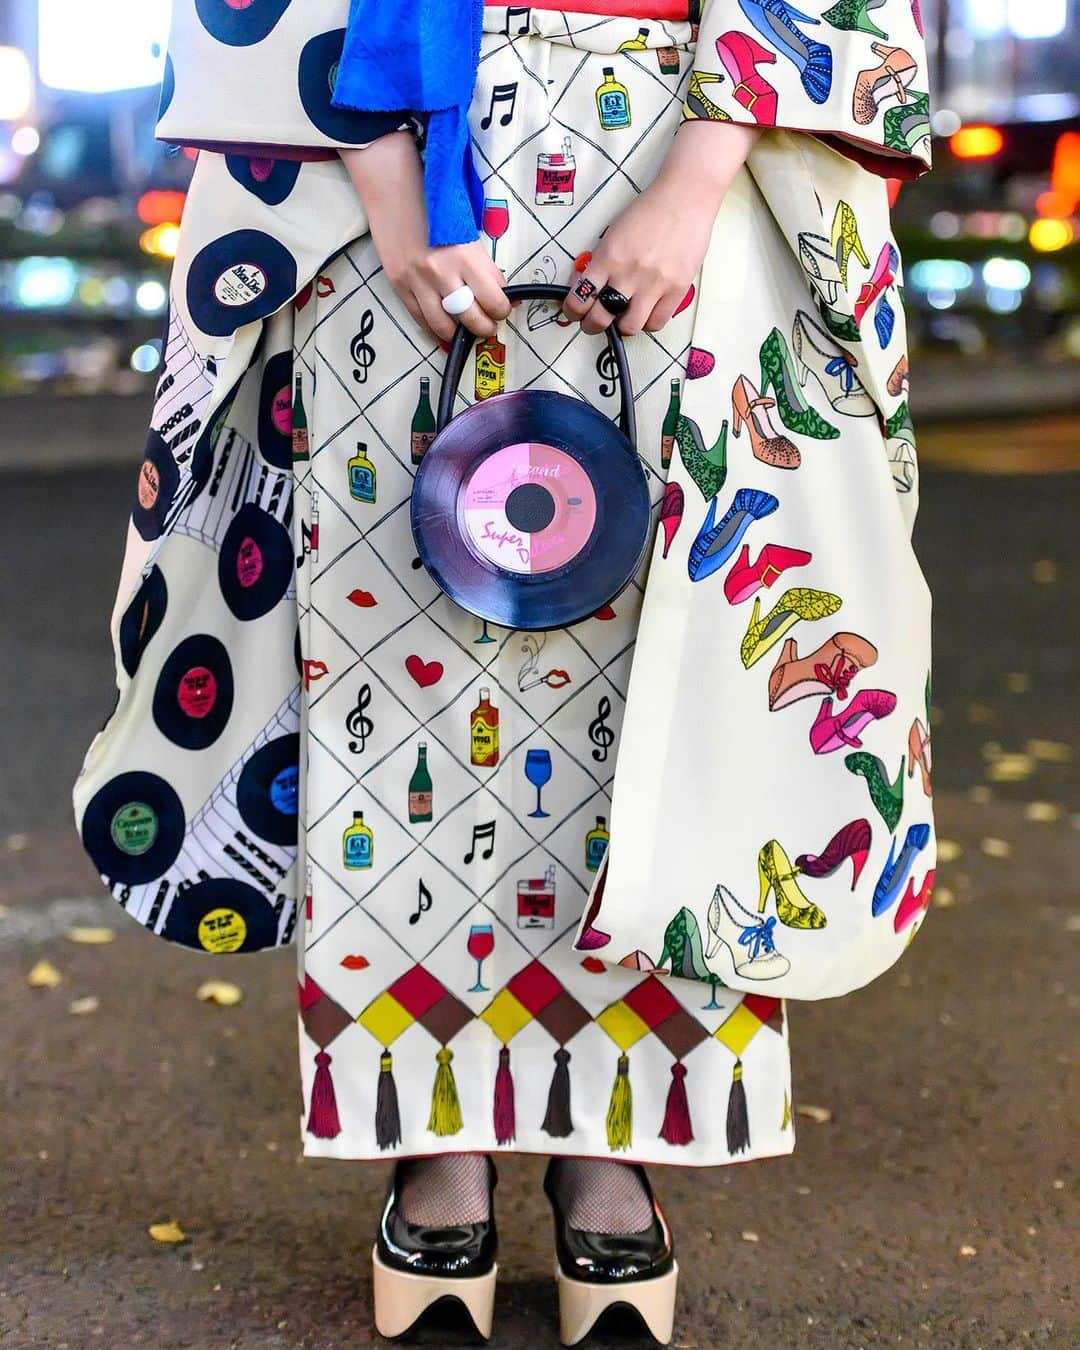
[598, 1196]
[449, 1189]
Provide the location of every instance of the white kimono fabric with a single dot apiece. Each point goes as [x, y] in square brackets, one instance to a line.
[310, 740]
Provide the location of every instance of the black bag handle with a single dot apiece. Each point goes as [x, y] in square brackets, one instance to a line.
[463, 341]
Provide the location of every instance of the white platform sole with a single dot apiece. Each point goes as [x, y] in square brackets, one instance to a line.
[581, 1304]
[401, 1298]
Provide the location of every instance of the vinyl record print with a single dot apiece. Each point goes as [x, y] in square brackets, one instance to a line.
[531, 510]
[156, 487]
[240, 23]
[142, 618]
[244, 275]
[133, 828]
[318, 72]
[268, 790]
[275, 411]
[168, 86]
[271, 180]
[221, 915]
[194, 693]
[256, 562]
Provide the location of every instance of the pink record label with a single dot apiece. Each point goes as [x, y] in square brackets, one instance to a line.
[527, 508]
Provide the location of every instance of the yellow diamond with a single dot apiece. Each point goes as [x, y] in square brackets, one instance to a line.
[623, 1025]
[385, 1018]
[739, 1029]
[505, 1015]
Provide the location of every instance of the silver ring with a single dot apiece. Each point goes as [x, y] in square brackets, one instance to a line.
[457, 302]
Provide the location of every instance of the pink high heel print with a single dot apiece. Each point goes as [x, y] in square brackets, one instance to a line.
[851, 841]
[835, 731]
[882, 278]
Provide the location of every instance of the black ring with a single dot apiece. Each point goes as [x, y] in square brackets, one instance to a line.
[585, 289]
[613, 301]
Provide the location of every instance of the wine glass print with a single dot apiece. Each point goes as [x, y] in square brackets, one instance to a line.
[538, 772]
[480, 945]
[485, 636]
[496, 220]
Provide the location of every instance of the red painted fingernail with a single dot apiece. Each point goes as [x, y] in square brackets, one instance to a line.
[582, 261]
[444, 345]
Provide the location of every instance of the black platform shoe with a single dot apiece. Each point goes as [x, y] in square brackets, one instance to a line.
[596, 1271]
[415, 1265]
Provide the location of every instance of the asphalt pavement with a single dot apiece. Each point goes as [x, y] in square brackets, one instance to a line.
[934, 1207]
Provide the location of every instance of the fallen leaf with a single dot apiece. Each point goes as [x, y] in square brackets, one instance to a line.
[167, 1232]
[44, 976]
[15, 843]
[355, 962]
[1053, 752]
[981, 794]
[944, 898]
[820, 1114]
[1010, 767]
[748, 1235]
[1043, 813]
[996, 848]
[1044, 572]
[1072, 923]
[991, 749]
[88, 1004]
[1017, 681]
[979, 713]
[948, 850]
[220, 992]
[91, 936]
[968, 1250]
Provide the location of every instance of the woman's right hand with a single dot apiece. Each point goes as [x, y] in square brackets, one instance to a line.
[388, 175]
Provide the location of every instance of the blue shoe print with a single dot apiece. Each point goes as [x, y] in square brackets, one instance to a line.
[775, 21]
[894, 874]
[717, 540]
[884, 321]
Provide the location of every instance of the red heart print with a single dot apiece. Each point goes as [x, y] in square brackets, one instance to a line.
[425, 673]
[362, 598]
[604, 612]
[593, 965]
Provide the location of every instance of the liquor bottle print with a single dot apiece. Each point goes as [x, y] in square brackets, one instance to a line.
[555, 176]
[301, 442]
[596, 842]
[613, 102]
[484, 732]
[358, 844]
[423, 423]
[635, 44]
[490, 368]
[420, 788]
[670, 426]
[315, 527]
[362, 475]
[668, 59]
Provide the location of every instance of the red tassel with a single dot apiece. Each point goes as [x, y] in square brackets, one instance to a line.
[323, 1120]
[677, 1128]
[504, 1100]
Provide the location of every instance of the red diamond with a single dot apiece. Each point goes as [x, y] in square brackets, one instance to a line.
[535, 987]
[652, 1002]
[417, 991]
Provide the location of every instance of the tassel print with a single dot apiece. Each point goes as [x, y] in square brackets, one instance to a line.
[387, 1116]
[504, 1100]
[323, 1120]
[445, 1115]
[677, 1128]
[557, 1120]
[738, 1126]
[620, 1116]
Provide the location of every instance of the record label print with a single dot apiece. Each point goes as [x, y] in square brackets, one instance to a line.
[221, 915]
[256, 562]
[267, 793]
[240, 23]
[133, 828]
[275, 411]
[194, 693]
[142, 618]
[155, 487]
[242, 276]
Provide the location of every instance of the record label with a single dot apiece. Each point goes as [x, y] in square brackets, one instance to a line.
[222, 930]
[134, 828]
[528, 508]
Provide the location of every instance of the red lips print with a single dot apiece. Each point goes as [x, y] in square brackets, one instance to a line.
[425, 673]
[364, 599]
[604, 612]
[355, 962]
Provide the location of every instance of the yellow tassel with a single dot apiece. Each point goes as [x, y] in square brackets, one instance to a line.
[445, 1115]
[620, 1116]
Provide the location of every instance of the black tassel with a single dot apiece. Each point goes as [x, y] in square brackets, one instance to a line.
[557, 1121]
[387, 1117]
[738, 1126]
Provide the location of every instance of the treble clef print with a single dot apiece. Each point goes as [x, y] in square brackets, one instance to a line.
[608, 372]
[362, 352]
[600, 733]
[357, 722]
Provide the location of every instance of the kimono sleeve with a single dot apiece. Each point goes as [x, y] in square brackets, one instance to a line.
[261, 75]
[854, 75]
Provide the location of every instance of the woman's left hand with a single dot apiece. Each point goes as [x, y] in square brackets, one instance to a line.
[654, 249]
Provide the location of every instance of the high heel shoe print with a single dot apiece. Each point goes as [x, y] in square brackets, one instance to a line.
[707, 466]
[832, 731]
[829, 670]
[846, 241]
[776, 874]
[745, 578]
[851, 841]
[699, 103]
[919, 753]
[898, 380]
[717, 540]
[778, 373]
[876, 85]
[800, 602]
[894, 873]
[683, 948]
[746, 938]
[908, 126]
[749, 409]
[888, 798]
[775, 21]
[740, 56]
[816, 354]
[820, 265]
[913, 902]
[882, 277]
[852, 16]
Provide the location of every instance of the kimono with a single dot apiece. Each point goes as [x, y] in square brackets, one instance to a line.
[312, 743]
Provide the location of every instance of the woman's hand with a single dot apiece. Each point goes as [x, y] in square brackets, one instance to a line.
[389, 178]
[653, 251]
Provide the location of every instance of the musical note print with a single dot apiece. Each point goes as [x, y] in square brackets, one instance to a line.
[361, 351]
[357, 722]
[608, 373]
[423, 903]
[307, 542]
[479, 834]
[601, 735]
[502, 93]
[521, 13]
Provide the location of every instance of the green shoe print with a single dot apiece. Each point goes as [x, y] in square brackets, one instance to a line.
[708, 468]
[683, 948]
[909, 123]
[851, 16]
[887, 797]
[841, 326]
[795, 413]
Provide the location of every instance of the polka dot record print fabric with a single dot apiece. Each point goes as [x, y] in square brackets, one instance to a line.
[544, 888]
